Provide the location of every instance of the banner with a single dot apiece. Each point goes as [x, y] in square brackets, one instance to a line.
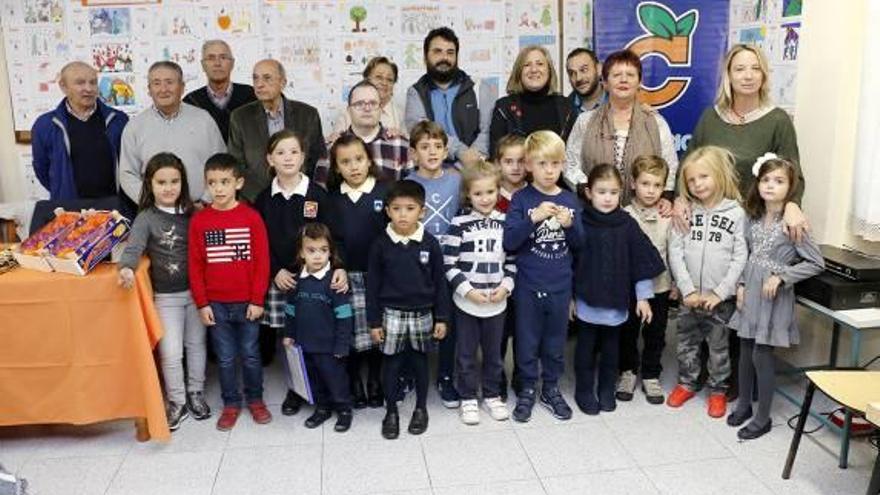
[681, 43]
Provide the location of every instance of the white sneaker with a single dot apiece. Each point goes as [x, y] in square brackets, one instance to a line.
[626, 386]
[496, 408]
[470, 412]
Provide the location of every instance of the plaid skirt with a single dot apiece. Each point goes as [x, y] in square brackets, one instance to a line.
[415, 327]
[273, 314]
[361, 340]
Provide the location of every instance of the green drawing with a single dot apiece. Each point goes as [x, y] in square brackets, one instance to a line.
[357, 13]
[546, 19]
[659, 21]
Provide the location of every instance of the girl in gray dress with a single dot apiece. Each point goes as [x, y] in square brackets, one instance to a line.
[765, 298]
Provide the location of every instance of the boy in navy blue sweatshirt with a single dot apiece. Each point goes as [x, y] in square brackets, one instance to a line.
[320, 320]
[543, 228]
[407, 300]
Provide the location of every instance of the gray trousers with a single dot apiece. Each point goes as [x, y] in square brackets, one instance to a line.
[183, 330]
[693, 328]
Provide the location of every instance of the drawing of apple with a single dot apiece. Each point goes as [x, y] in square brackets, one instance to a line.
[223, 20]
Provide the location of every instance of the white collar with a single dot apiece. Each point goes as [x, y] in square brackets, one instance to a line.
[168, 209]
[399, 239]
[320, 274]
[302, 188]
[365, 188]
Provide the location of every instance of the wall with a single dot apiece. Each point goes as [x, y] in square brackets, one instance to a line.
[11, 187]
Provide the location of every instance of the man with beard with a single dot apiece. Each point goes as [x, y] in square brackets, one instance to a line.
[445, 95]
[583, 74]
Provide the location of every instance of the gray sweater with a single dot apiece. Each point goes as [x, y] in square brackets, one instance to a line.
[164, 238]
[712, 255]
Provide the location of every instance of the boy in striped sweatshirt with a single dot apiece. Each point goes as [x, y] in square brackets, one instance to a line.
[481, 277]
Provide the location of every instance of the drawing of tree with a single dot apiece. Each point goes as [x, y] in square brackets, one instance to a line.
[546, 19]
[357, 13]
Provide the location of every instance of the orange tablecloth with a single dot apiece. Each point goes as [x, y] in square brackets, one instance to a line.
[78, 349]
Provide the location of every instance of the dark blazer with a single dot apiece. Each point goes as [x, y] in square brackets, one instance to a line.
[249, 134]
[242, 94]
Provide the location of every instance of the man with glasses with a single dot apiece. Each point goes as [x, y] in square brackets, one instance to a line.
[251, 125]
[220, 96]
[390, 151]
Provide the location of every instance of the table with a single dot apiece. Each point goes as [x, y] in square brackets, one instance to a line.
[79, 350]
[855, 321]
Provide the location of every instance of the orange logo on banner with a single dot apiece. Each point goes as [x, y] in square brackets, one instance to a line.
[670, 38]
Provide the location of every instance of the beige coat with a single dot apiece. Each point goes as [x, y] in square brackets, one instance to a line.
[657, 229]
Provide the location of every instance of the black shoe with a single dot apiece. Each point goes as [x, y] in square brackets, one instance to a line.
[318, 417]
[749, 432]
[737, 418]
[358, 397]
[343, 421]
[375, 396]
[588, 405]
[524, 403]
[175, 414]
[195, 402]
[607, 404]
[391, 425]
[448, 394]
[419, 421]
[291, 404]
[554, 402]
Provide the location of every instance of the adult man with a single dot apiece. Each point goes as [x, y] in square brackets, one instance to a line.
[583, 68]
[445, 95]
[220, 96]
[170, 126]
[251, 125]
[390, 153]
[76, 146]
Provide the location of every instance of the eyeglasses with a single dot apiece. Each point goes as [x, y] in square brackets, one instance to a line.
[364, 104]
[222, 57]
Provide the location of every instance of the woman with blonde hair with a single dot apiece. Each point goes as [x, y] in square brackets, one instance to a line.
[533, 102]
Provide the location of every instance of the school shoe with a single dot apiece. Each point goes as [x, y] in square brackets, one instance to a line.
[375, 395]
[259, 412]
[343, 421]
[750, 432]
[717, 404]
[358, 396]
[496, 408]
[448, 394]
[391, 425]
[291, 404]
[318, 417]
[653, 390]
[553, 401]
[228, 418]
[680, 394]
[195, 402]
[470, 412]
[737, 417]
[175, 414]
[419, 421]
[525, 401]
[588, 405]
[626, 386]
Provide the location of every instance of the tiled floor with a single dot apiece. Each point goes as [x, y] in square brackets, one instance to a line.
[639, 449]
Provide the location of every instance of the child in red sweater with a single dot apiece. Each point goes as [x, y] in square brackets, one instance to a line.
[229, 275]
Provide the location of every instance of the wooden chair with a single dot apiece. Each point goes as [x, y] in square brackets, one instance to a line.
[854, 390]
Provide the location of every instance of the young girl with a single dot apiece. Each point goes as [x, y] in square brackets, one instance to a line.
[319, 320]
[480, 275]
[289, 202]
[616, 259]
[706, 263]
[357, 200]
[160, 230]
[765, 297]
[512, 161]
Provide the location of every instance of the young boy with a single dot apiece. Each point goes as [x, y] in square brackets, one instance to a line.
[512, 160]
[407, 300]
[649, 180]
[229, 275]
[442, 186]
[543, 228]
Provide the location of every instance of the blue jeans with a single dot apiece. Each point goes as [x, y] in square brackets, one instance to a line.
[541, 329]
[234, 336]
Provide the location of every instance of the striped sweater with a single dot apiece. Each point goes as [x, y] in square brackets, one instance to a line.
[474, 259]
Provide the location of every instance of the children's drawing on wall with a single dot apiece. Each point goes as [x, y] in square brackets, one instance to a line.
[752, 36]
[182, 22]
[356, 52]
[44, 43]
[301, 55]
[298, 17]
[791, 40]
[782, 91]
[482, 19]
[417, 20]
[117, 90]
[413, 58]
[481, 57]
[358, 14]
[110, 22]
[231, 19]
[43, 11]
[792, 8]
[535, 17]
[113, 57]
[186, 54]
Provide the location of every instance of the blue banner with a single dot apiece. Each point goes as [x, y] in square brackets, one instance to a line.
[681, 44]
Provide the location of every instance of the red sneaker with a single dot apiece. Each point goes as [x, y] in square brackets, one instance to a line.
[259, 412]
[680, 394]
[228, 418]
[717, 404]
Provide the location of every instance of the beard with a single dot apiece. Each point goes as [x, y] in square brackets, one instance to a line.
[443, 75]
[591, 89]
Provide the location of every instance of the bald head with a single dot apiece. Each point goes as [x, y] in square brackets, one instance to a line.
[269, 80]
[79, 83]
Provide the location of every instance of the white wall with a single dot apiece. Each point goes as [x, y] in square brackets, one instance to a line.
[11, 180]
